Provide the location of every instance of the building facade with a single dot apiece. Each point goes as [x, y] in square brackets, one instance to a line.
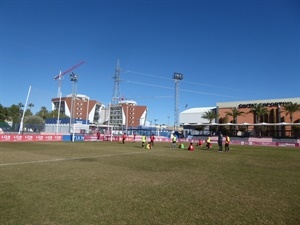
[276, 122]
[80, 107]
[127, 114]
[275, 108]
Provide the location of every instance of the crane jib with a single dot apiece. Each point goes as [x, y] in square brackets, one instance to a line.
[69, 70]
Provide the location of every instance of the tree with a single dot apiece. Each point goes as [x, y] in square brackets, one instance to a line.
[290, 109]
[210, 115]
[53, 114]
[3, 113]
[28, 112]
[20, 105]
[14, 112]
[43, 112]
[258, 110]
[34, 123]
[30, 105]
[234, 113]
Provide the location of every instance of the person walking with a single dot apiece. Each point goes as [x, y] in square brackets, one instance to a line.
[220, 141]
[227, 142]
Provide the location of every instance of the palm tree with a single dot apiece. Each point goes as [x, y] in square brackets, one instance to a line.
[259, 111]
[290, 109]
[43, 112]
[234, 113]
[30, 105]
[210, 115]
[20, 106]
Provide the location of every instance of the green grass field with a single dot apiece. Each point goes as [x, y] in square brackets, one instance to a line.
[111, 183]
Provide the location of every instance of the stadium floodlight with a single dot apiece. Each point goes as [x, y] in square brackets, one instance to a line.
[176, 77]
[74, 79]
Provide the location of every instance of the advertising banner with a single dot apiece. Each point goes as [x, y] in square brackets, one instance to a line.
[29, 137]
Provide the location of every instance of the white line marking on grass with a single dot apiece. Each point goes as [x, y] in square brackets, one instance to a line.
[73, 158]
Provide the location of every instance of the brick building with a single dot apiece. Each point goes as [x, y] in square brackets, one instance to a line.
[124, 114]
[276, 122]
[127, 114]
[83, 108]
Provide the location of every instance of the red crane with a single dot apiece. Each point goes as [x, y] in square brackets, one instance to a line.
[59, 76]
[69, 70]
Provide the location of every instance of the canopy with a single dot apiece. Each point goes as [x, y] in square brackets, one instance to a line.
[241, 124]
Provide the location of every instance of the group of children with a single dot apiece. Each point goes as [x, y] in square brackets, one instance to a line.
[190, 148]
[208, 144]
[150, 144]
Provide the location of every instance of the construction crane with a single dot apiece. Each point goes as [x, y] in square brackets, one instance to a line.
[59, 76]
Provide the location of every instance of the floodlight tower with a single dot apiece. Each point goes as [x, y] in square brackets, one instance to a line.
[176, 77]
[74, 79]
[117, 79]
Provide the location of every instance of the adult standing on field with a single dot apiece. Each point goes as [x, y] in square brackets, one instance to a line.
[220, 141]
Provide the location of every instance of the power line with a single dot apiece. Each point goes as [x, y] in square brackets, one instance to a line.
[171, 88]
[151, 97]
[188, 82]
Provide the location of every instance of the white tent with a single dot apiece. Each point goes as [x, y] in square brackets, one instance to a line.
[242, 124]
[194, 115]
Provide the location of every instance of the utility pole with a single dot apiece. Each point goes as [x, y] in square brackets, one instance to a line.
[117, 79]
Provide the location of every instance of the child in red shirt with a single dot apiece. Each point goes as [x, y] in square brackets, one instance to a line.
[191, 147]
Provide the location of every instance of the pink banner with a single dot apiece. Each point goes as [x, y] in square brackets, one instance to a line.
[53, 137]
[29, 137]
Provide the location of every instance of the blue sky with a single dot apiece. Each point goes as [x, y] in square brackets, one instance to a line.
[226, 50]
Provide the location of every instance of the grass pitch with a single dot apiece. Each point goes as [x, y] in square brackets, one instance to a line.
[111, 183]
